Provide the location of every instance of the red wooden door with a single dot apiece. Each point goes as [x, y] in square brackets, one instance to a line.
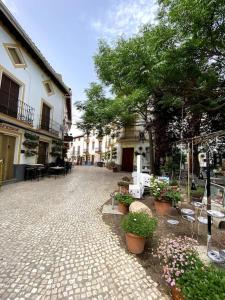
[9, 94]
[127, 159]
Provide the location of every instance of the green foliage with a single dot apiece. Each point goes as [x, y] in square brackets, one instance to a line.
[172, 164]
[199, 192]
[139, 224]
[124, 198]
[172, 196]
[173, 182]
[57, 142]
[57, 146]
[31, 136]
[157, 187]
[31, 144]
[30, 153]
[203, 283]
[123, 183]
[177, 63]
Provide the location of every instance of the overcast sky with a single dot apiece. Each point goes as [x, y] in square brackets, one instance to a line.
[67, 31]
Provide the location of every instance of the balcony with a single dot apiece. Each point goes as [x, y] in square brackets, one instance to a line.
[68, 138]
[98, 150]
[19, 110]
[51, 126]
[131, 136]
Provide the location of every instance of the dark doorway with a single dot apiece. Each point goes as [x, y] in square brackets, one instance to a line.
[9, 94]
[42, 153]
[127, 159]
[45, 118]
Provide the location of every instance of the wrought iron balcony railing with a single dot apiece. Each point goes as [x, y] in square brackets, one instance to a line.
[98, 149]
[134, 135]
[18, 109]
[51, 126]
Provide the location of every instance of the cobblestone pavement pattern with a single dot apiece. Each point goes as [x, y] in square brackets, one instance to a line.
[54, 244]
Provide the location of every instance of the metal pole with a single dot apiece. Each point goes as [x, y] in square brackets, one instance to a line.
[188, 161]
[208, 188]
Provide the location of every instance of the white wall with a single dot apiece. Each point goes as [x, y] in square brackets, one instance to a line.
[31, 80]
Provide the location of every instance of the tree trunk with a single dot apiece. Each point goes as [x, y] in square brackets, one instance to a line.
[151, 151]
[196, 167]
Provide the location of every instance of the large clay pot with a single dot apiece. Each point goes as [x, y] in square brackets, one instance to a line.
[176, 294]
[135, 243]
[123, 208]
[162, 207]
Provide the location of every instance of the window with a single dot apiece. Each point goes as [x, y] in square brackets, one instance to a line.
[93, 145]
[9, 94]
[100, 145]
[73, 150]
[45, 117]
[15, 55]
[49, 87]
[78, 150]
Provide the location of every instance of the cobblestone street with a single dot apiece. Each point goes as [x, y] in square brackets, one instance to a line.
[54, 244]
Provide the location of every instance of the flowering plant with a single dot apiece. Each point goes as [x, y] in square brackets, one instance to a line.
[139, 224]
[157, 187]
[177, 255]
[126, 199]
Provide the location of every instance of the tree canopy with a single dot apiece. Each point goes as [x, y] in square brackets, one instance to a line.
[166, 74]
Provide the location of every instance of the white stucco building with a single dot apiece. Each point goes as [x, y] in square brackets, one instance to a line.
[120, 148]
[35, 104]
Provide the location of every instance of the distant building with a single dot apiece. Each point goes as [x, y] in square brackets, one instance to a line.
[35, 104]
[121, 148]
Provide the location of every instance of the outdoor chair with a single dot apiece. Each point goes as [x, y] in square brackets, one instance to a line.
[29, 173]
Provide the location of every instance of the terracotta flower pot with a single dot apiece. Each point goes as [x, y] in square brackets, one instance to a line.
[135, 243]
[176, 294]
[124, 209]
[162, 207]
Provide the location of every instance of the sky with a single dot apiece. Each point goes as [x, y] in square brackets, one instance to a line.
[67, 32]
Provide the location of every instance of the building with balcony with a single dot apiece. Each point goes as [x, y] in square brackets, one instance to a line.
[121, 148]
[35, 103]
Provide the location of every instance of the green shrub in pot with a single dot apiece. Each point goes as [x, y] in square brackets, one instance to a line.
[139, 223]
[198, 193]
[173, 182]
[172, 196]
[125, 199]
[206, 283]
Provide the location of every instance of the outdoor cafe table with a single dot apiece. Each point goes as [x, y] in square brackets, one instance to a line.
[57, 170]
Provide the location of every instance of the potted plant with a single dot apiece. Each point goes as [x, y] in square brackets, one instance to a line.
[203, 283]
[172, 196]
[178, 255]
[124, 201]
[123, 186]
[158, 188]
[174, 184]
[137, 226]
[197, 194]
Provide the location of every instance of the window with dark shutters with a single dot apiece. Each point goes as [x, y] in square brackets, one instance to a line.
[45, 118]
[9, 94]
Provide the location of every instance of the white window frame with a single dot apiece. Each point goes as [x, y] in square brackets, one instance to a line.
[51, 87]
[19, 53]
